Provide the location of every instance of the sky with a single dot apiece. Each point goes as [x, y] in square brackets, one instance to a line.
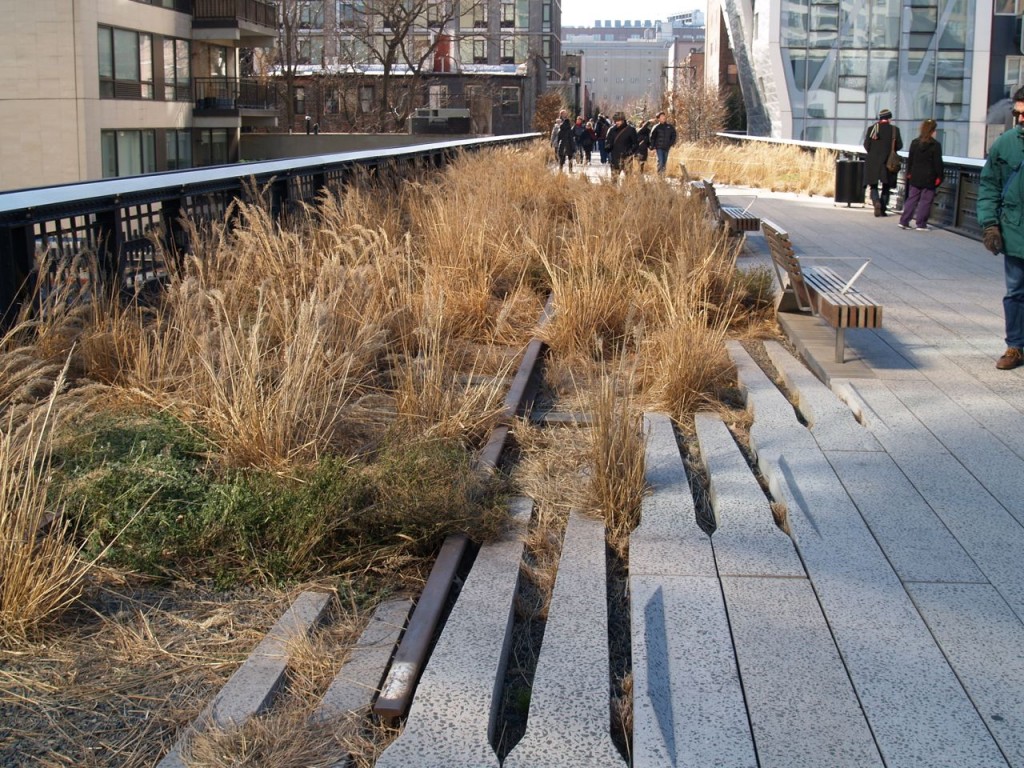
[584, 12]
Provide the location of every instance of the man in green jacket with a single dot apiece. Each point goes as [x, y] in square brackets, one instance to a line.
[1001, 215]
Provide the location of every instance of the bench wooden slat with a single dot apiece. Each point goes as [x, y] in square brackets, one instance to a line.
[819, 290]
[737, 220]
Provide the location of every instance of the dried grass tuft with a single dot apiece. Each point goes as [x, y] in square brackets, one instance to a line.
[41, 569]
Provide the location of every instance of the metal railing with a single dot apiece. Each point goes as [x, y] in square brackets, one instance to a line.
[255, 11]
[240, 93]
[956, 201]
[51, 237]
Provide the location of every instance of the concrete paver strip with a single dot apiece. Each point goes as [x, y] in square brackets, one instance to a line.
[668, 539]
[746, 542]
[451, 721]
[253, 685]
[568, 724]
[918, 711]
[803, 709]
[982, 638]
[687, 700]
[884, 414]
[688, 706]
[830, 420]
[351, 692]
[986, 531]
[997, 467]
[915, 540]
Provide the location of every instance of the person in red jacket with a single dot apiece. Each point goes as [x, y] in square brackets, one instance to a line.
[924, 175]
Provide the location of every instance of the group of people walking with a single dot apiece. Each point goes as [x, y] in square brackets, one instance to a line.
[923, 172]
[621, 145]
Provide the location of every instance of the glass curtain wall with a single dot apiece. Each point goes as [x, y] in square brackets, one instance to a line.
[847, 59]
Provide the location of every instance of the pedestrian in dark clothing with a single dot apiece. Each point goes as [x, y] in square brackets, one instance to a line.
[564, 144]
[882, 138]
[643, 144]
[621, 143]
[663, 138]
[924, 175]
[601, 127]
[585, 140]
[1000, 202]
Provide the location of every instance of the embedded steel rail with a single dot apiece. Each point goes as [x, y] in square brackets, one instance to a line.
[397, 690]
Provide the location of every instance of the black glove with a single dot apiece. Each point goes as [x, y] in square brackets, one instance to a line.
[992, 238]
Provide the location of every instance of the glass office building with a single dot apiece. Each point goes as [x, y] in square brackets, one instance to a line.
[820, 70]
[844, 61]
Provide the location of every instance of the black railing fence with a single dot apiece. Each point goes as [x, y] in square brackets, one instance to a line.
[51, 236]
[240, 93]
[955, 206]
[255, 11]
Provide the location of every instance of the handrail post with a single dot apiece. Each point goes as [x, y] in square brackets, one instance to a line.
[109, 239]
[17, 254]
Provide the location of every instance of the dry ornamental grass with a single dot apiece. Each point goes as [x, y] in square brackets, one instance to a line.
[371, 334]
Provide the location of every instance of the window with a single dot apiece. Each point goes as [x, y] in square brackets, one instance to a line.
[523, 14]
[350, 11]
[125, 63]
[508, 50]
[212, 146]
[437, 97]
[176, 70]
[479, 51]
[1014, 74]
[510, 102]
[310, 50]
[299, 103]
[508, 14]
[366, 99]
[332, 104]
[311, 14]
[179, 150]
[479, 19]
[1009, 7]
[128, 153]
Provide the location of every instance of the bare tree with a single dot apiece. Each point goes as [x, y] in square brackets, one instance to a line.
[403, 38]
[285, 55]
[699, 110]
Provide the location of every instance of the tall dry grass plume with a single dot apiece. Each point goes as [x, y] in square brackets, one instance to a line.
[42, 571]
[617, 482]
[779, 168]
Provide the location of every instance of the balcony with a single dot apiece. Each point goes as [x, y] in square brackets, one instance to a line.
[250, 100]
[235, 23]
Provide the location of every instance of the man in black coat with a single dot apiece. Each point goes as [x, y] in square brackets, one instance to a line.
[663, 138]
[882, 138]
[622, 143]
[565, 144]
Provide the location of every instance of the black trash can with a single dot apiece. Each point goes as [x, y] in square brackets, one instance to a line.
[850, 181]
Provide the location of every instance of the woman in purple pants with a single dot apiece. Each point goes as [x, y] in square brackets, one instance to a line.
[924, 175]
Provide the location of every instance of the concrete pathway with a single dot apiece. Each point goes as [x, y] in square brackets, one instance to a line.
[940, 501]
[887, 627]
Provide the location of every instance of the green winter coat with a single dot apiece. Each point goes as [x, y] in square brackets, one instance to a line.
[1005, 156]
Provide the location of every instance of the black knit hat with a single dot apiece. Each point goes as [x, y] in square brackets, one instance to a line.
[885, 114]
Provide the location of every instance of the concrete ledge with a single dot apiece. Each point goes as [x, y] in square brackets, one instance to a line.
[253, 685]
[569, 724]
[351, 692]
[451, 721]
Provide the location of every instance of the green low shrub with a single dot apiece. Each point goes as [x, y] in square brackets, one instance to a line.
[145, 489]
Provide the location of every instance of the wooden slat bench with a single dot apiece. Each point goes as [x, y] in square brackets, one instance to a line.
[735, 219]
[820, 290]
